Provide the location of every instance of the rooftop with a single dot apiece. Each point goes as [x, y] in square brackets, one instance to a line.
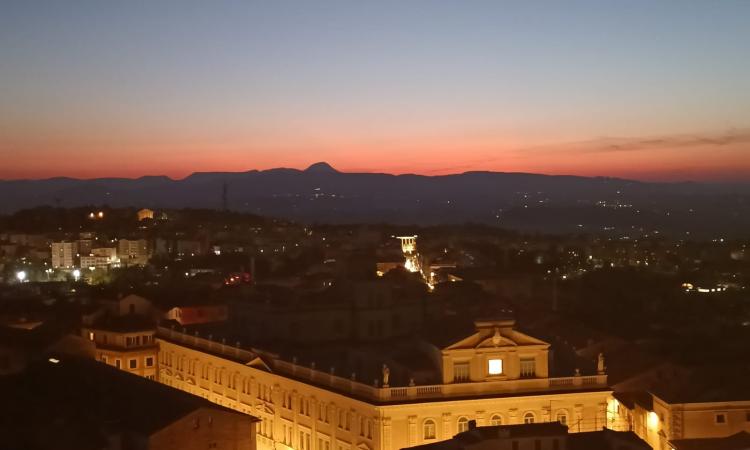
[76, 401]
[738, 441]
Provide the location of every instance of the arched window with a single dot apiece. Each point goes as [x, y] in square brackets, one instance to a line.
[562, 417]
[529, 417]
[496, 419]
[463, 424]
[429, 429]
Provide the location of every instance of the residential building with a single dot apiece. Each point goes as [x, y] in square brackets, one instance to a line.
[64, 255]
[708, 404]
[133, 252]
[125, 342]
[123, 333]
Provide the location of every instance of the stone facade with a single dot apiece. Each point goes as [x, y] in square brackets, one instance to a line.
[303, 408]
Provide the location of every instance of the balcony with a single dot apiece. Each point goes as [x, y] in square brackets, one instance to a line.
[372, 393]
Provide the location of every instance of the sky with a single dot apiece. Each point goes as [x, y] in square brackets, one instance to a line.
[651, 90]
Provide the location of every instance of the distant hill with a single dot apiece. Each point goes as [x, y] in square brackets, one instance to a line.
[320, 193]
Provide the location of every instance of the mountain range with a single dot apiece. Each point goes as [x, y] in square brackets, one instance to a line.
[320, 193]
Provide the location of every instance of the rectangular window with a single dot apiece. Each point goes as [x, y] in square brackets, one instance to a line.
[461, 372]
[322, 416]
[150, 361]
[495, 366]
[91, 335]
[132, 363]
[528, 367]
[117, 363]
[721, 418]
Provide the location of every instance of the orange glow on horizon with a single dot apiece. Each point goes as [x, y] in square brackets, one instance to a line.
[678, 159]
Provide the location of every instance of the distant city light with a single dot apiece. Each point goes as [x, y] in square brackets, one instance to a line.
[54, 360]
[76, 274]
[21, 275]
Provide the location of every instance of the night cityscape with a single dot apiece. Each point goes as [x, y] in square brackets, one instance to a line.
[425, 225]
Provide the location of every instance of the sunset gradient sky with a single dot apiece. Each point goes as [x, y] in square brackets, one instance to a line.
[653, 90]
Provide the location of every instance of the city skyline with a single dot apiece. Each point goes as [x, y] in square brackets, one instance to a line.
[646, 91]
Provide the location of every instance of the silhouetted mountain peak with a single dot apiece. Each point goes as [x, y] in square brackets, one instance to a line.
[321, 167]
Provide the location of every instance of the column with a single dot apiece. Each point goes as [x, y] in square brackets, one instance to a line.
[446, 432]
[412, 431]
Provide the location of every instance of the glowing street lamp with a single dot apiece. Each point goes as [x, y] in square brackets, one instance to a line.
[76, 274]
[21, 276]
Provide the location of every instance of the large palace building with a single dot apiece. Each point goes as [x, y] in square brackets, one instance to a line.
[389, 396]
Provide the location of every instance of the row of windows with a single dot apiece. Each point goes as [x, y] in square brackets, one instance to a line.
[429, 426]
[461, 370]
[132, 363]
[130, 341]
[264, 393]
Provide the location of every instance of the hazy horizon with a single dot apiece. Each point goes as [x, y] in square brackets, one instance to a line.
[653, 91]
[376, 172]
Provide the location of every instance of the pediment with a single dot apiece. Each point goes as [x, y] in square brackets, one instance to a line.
[258, 363]
[483, 340]
[492, 342]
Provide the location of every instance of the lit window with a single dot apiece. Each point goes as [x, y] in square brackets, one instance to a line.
[495, 366]
[460, 372]
[463, 424]
[529, 417]
[429, 429]
[91, 335]
[562, 417]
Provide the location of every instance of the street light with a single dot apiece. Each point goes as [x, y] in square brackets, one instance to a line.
[76, 274]
[21, 275]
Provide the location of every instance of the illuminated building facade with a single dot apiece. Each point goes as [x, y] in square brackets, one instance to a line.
[64, 255]
[495, 375]
[124, 334]
[660, 421]
[133, 252]
[144, 214]
[409, 248]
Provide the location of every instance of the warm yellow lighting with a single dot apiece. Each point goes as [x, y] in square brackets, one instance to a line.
[653, 420]
[495, 366]
[54, 360]
[100, 214]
